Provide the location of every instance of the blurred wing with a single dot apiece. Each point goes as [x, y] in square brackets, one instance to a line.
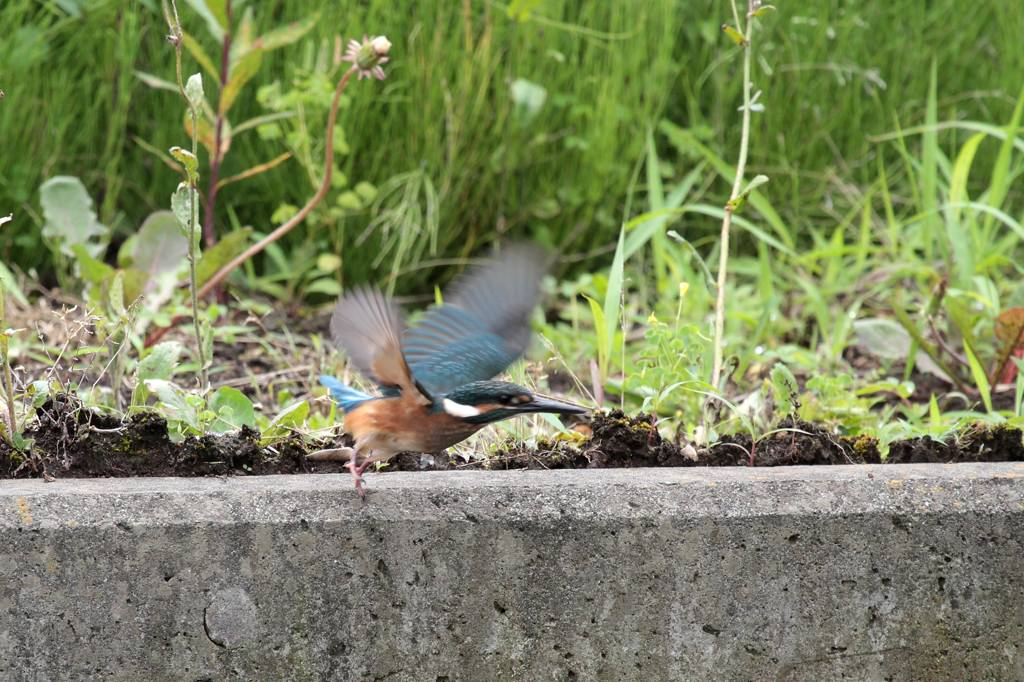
[484, 324]
[369, 327]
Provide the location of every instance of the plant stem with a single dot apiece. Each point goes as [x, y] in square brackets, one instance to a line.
[325, 186]
[209, 236]
[193, 192]
[8, 381]
[723, 257]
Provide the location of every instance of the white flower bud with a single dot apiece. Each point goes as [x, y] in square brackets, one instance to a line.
[381, 45]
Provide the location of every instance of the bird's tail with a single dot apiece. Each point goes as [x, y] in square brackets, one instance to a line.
[346, 396]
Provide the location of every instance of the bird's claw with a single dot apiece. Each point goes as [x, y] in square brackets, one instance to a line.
[357, 478]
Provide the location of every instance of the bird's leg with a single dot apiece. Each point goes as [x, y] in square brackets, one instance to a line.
[357, 472]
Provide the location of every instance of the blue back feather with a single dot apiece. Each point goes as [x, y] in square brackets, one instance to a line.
[346, 396]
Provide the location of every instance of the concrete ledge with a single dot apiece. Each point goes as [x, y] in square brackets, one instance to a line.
[801, 573]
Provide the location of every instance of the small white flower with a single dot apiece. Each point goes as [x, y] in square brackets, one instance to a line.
[368, 55]
[6, 219]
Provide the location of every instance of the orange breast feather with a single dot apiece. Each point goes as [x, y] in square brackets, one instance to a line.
[383, 428]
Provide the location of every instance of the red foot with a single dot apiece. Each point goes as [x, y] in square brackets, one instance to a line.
[357, 475]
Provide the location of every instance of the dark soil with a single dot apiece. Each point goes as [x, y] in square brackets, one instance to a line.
[70, 442]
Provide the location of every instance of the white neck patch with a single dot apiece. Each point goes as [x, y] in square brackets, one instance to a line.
[459, 410]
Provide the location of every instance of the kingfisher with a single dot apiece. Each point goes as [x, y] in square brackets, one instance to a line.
[436, 378]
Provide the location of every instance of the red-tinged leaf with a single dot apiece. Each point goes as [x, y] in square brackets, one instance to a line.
[1010, 326]
[1009, 331]
[242, 72]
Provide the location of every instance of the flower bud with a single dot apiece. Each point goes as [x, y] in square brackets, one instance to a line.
[381, 46]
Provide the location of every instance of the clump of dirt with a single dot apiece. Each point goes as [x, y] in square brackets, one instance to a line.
[70, 441]
[615, 440]
[979, 443]
[793, 442]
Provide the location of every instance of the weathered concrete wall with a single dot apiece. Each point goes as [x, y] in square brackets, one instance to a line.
[854, 573]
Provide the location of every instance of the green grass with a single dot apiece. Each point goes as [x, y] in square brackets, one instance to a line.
[611, 71]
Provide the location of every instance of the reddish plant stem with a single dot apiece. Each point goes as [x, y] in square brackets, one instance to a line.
[209, 236]
[325, 186]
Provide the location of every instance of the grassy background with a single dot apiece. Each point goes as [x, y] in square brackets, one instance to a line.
[833, 73]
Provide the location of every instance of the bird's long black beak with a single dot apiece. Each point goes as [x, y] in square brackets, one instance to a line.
[542, 403]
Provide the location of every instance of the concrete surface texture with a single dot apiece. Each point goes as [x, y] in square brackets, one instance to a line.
[804, 573]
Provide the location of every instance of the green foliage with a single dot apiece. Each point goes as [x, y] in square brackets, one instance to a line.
[70, 218]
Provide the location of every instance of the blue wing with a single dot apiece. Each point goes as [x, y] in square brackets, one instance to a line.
[484, 325]
[346, 396]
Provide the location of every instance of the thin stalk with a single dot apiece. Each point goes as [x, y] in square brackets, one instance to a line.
[8, 379]
[741, 164]
[193, 213]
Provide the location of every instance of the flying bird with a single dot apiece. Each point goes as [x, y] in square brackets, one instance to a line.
[436, 379]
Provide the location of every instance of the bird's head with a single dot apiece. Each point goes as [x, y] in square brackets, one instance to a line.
[483, 402]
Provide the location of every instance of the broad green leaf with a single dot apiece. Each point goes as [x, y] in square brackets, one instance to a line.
[70, 218]
[291, 417]
[159, 362]
[221, 253]
[233, 409]
[160, 247]
[173, 403]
